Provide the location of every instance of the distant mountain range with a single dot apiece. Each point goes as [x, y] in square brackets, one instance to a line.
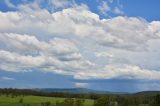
[85, 90]
[147, 93]
[77, 90]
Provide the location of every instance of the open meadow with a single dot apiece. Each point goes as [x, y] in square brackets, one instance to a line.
[33, 100]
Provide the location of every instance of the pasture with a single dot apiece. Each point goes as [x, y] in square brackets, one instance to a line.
[33, 100]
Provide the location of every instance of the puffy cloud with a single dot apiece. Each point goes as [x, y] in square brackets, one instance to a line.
[155, 27]
[72, 41]
[24, 42]
[120, 72]
[72, 23]
[133, 35]
[15, 62]
[29, 53]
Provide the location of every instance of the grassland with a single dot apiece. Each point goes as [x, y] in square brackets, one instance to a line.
[33, 100]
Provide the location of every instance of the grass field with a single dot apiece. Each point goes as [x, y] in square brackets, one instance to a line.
[33, 100]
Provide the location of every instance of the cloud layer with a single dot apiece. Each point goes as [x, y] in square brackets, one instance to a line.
[75, 41]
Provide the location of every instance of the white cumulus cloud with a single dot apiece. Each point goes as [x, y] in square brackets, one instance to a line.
[75, 41]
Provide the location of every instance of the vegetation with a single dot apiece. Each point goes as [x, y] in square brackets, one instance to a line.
[41, 101]
[25, 97]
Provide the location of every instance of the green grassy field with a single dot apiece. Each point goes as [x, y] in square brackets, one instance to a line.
[33, 100]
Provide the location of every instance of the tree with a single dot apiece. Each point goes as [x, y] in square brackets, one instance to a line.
[103, 101]
[47, 103]
[79, 102]
[21, 100]
[69, 102]
[155, 101]
[59, 103]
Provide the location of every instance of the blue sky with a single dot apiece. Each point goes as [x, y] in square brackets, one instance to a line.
[110, 45]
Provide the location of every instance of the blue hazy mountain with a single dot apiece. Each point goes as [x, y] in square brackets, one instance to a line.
[77, 90]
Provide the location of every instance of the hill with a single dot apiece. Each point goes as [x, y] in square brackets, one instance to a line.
[78, 90]
[147, 93]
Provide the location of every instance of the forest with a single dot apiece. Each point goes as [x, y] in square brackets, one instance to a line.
[80, 99]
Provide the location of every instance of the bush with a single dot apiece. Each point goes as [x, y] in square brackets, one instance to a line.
[79, 102]
[21, 100]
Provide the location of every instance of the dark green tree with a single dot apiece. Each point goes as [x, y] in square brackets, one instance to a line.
[69, 102]
[79, 102]
[21, 100]
[103, 101]
[155, 101]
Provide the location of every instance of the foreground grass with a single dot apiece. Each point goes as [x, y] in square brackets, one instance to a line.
[33, 100]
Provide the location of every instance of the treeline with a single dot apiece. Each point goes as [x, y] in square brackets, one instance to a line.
[24, 92]
[128, 101]
[99, 99]
[65, 102]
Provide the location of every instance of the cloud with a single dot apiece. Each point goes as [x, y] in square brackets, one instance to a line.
[61, 3]
[14, 62]
[104, 8]
[107, 7]
[119, 72]
[106, 32]
[7, 78]
[9, 4]
[24, 42]
[117, 10]
[81, 85]
[75, 41]
[103, 54]
[29, 53]
[51, 5]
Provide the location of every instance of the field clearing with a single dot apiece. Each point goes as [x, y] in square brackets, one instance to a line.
[36, 101]
[33, 100]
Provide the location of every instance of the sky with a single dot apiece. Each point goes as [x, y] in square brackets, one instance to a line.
[109, 45]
